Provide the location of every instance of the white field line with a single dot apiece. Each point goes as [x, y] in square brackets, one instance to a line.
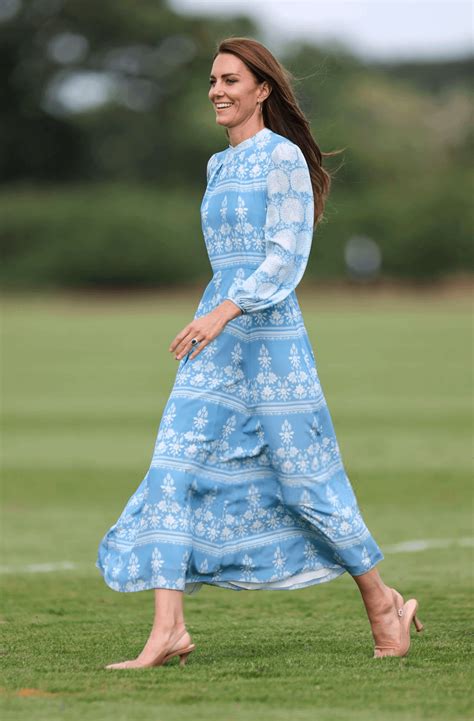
[41, 567]
[404, 547]
[426, 545]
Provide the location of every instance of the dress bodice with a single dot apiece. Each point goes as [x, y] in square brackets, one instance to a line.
[257, 218]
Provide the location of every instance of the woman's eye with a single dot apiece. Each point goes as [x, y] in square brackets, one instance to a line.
[229, 81]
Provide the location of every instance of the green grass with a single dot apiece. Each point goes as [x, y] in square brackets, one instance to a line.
[85, 381]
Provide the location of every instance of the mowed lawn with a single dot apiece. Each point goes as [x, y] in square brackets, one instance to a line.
[85, 380]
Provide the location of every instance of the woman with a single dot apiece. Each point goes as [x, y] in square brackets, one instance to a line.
[246, 488]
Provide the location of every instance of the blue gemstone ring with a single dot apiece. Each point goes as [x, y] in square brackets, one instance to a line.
[194, 341]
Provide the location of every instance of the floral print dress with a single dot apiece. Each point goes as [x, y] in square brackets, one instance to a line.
[246, 487]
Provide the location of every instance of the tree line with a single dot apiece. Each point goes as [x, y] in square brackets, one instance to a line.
[107, 129]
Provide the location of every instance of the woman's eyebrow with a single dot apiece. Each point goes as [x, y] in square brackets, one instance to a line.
[224, 75]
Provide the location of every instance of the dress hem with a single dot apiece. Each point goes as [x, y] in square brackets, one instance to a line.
[192, 587]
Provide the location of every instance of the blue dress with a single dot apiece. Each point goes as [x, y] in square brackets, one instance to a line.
[246, 488]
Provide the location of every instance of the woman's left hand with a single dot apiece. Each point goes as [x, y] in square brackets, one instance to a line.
[204, 329]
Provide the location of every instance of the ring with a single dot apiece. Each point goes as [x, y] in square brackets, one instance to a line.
[194, 341]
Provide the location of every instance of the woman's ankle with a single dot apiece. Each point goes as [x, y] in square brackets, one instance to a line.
[378, 602]
[167, 627]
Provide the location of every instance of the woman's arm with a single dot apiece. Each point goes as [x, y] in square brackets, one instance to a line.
[288, 233]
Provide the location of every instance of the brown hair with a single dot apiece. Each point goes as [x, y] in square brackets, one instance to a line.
[281, 112]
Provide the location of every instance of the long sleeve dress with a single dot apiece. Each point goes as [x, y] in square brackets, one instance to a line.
[246, 487]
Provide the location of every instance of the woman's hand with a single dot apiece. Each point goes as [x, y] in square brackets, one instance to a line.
[204, 329]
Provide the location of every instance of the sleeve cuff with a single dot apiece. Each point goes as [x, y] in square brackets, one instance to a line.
[235, 302]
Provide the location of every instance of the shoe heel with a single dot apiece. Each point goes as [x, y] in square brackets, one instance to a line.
[418, 625]
[183, 658]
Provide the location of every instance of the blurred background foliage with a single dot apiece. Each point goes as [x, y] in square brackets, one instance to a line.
[107, 128]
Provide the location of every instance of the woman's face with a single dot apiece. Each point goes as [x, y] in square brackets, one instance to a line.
[232, 84]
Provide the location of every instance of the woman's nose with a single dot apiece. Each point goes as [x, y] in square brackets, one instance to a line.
[216, 91]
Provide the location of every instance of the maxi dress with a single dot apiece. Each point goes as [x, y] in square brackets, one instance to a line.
[246, 488]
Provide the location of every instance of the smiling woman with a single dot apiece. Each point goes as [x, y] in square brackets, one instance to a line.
[247, 98]
[246, 488]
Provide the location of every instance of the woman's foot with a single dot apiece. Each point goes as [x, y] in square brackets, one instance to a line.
[161, 642]
[384, 620]
[389, 615]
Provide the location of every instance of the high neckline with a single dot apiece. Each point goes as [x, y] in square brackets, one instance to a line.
[248, 141]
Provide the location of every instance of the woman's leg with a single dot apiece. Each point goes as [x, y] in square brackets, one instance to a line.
[168, 630]
[380, 607]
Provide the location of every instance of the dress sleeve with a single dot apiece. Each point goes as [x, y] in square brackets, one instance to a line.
[288, 233]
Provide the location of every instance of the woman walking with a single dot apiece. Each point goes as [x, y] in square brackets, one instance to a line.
[246, 488]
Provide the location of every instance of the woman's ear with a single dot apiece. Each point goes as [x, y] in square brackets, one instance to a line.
[267, 88]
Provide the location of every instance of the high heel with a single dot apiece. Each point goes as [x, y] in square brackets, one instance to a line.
[183, 654]
[406, 614]
[399, 602]
[418, 625]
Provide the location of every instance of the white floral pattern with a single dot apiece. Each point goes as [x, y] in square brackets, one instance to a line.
[225, 367]
[246, 487]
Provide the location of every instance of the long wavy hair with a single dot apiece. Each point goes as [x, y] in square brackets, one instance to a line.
[281, 112]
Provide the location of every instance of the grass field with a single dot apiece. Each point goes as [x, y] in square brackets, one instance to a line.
[84, 382]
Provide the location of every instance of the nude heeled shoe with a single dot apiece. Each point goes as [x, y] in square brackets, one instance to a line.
[406, 613]
[183, 654]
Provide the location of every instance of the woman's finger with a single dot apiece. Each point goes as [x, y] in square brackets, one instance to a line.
[181, 341]
[179, 338]
[186, 345]
[202, 344]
